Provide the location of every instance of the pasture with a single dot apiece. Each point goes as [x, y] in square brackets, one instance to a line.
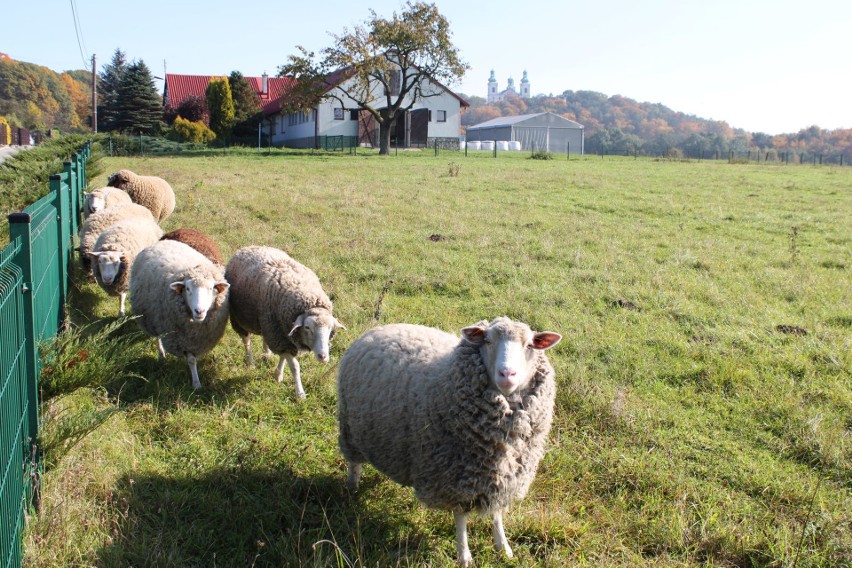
[704, 402]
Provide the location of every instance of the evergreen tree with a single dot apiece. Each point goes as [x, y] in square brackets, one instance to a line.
[220, 103]
[140, 107]
[110, 80]
[246, 105]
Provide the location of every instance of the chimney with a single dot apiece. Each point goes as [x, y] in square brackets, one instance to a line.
[264, 84]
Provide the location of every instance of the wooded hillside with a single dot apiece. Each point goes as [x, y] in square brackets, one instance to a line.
[38, 98]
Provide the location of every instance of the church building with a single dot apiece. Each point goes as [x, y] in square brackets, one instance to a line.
[494, 96]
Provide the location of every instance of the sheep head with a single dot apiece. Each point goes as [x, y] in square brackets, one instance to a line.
[199, 294]
[109, 264]
[509, 351]
[313, 330]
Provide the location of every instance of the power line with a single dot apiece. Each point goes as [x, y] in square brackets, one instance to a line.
[78, 29]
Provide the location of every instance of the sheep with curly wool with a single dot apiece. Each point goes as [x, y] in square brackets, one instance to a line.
[103, 198]
[282, 300]
[182, 299]
[98, 222]
[114, 252]
[153, 192]
[462, 421]
[199, 241]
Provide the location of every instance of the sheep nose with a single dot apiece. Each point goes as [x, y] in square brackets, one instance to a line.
[199, 314]
[507, 373]
[323, 357]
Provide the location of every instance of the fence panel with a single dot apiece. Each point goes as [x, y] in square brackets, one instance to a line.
[34, 270]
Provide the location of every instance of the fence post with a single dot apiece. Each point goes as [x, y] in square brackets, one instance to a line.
[19, 228]
[568, 150]
[63, 206]
[495, 148]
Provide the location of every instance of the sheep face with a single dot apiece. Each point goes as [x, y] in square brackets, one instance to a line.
[199, 295]
[119, 177]
[313, 330]
[95, 202]
[508, 351]
[109, 264]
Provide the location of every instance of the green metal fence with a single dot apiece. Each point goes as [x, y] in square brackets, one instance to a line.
[34, 270]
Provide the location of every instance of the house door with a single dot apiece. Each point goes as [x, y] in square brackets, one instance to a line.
[419, 132]
[368, 129]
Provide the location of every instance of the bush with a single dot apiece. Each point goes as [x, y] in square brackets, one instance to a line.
[541, 155]
[193, 108]
[190, 131]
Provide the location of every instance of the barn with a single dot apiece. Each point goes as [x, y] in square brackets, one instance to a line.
[542, 131]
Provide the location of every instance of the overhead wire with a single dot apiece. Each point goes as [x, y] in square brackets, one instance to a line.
[78, 29]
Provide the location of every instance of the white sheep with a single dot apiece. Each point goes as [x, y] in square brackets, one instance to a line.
[182, 299]
[464, 422]
[103, 198]
[98, 222]
[282, 300]
[115, 250]
[153, 192]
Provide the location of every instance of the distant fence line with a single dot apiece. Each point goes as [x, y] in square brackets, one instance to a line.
[34, 270]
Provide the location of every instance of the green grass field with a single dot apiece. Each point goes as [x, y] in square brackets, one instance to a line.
[704, 402]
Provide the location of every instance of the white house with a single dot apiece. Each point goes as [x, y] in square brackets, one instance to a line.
[337, 121]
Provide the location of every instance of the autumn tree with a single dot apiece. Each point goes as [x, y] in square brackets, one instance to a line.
[383, 67]
[220, 103]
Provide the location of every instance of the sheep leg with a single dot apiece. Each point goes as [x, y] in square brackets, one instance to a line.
[247, 345]
[354, 475]
[501, 544]
[121, 298]
[293, 363]
[161, 351]
[193, 370]
[267, 352]
[462, 550]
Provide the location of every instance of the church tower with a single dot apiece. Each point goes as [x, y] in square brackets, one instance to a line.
[492, 88]
[525, 86]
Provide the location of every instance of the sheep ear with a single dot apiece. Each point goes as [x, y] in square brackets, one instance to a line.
[475, 333]
[93, 255]
[177, 287]
[123, 258]
[221, 286]
[545, 340]
[297, 324]
[338, 325]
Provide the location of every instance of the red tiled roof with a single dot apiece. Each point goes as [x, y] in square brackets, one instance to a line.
[179, 87]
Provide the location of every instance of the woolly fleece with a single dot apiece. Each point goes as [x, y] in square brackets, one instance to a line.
[101, 221]
[128, 236]
[269, 290]
[153, 192]
[416, 402]
[199, 241]
[164, 312]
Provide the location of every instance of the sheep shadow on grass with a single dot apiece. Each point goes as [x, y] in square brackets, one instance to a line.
[243, 517]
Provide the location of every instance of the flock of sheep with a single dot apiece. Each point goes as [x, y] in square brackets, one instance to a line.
[463, 421]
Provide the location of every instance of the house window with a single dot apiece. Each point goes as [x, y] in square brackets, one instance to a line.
[442, 116]
[338, 114]
[353, 114]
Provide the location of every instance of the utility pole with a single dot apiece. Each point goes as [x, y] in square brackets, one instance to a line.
[94, 95]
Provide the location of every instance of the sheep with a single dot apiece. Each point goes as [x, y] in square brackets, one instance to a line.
[98, 222]
[282, 300]
[103, 198]
[199, 241]
[182, 299]
[115, 250]
[464, 422]
[153, 192]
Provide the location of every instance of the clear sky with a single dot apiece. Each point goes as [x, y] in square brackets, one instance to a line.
[766, 66]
